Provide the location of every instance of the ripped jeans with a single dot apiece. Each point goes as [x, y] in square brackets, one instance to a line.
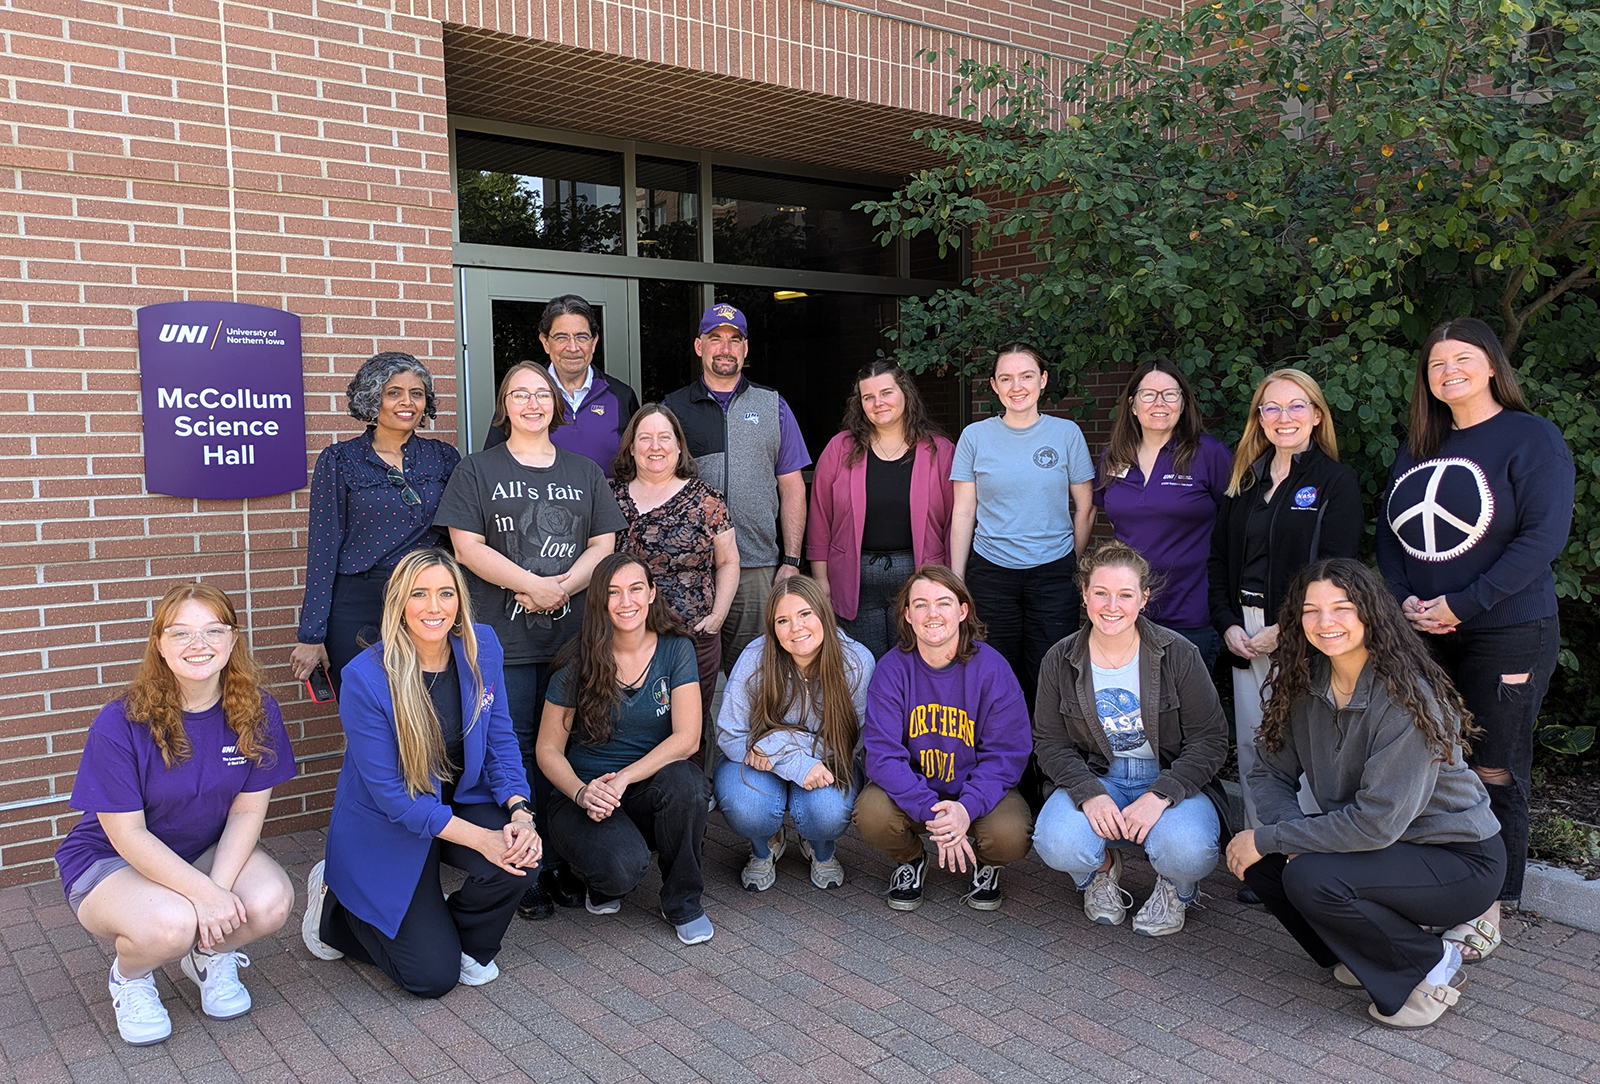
[1477, 660]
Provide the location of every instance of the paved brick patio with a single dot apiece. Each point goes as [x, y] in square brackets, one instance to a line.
[802, 985]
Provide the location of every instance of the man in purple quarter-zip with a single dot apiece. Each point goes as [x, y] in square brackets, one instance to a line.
[595, 408]
[748, 447]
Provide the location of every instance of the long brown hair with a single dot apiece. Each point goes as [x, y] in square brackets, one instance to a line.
[777, 690]
[972, 630]
[591, 663]
[919, 427]
[1122, 451]
[502, 415]
[154, 698]
[416, 724]
[1430, 418]
[1254, 443]
[1415, 682]
[623, 467]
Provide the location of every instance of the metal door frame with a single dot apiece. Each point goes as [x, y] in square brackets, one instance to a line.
[477, 288]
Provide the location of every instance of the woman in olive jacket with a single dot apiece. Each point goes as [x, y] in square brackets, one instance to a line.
[1128, 727]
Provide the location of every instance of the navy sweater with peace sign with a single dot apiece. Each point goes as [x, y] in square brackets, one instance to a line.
[1482, 521]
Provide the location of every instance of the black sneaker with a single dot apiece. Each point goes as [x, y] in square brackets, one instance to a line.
[562, 885]
[985, 894]
[905, 886]
[536, 903]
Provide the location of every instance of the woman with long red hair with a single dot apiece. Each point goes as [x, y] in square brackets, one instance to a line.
[175, 780]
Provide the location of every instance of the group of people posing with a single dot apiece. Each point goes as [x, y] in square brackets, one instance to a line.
[525, 644]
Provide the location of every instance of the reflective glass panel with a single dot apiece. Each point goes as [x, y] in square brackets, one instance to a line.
[530, 194]
[809, 345]
[668, 316]
[764, 219]
[666, 198]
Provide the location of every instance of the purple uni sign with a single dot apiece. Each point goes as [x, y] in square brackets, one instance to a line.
[223, 400]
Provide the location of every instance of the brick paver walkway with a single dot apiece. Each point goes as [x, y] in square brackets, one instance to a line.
[802, 985]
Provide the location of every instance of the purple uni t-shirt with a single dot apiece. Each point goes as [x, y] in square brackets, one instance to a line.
[185, 806]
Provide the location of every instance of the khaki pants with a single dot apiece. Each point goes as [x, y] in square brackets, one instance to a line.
[1000, 837]
[747, 615]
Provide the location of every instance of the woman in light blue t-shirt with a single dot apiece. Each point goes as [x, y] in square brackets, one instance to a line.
[1024, 487]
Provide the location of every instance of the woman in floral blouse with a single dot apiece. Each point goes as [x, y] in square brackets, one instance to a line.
[681, 528]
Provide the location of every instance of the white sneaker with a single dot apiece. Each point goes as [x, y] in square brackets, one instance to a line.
[603, 907]
[311, 924]
[1162, 913]
[759, 874]
[222, 995]
[829, 874]
[1104, 901]
[475, 974]
[141, 1018]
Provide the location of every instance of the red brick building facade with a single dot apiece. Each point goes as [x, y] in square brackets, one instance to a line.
[298, 154]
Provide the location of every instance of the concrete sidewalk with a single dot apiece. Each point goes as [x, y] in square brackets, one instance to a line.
[802, 985]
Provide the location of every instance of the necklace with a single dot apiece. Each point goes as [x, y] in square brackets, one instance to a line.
[1108, 665]
[433, 679]
[1338, 693]
[880, 447]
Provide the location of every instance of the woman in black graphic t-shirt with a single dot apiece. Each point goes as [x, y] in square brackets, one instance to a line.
[530, 521]
[1479, 506]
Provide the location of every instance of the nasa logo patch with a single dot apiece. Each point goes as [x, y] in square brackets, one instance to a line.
[1305, 498]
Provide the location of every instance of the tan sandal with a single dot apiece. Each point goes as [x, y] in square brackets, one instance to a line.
[1476, 939]
[1425, 1005]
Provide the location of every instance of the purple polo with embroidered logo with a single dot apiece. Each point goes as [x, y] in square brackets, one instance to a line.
[223, 400]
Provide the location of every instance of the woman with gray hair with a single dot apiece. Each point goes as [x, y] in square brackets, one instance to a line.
[373, 499]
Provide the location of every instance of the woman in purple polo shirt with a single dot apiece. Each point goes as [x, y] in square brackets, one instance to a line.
[1161, 480]
[174, 783]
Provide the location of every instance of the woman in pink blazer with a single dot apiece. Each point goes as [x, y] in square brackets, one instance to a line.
[880, 503]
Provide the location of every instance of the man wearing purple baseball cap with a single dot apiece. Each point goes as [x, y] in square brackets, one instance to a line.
[747, 444]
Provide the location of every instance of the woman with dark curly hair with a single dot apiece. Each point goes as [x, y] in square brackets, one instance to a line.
[1406, 841]
[176, 776]
[373, 498]
[621, 718]
[881, 502]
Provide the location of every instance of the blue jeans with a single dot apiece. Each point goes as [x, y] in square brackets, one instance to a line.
[753, 803]
[1182, 846]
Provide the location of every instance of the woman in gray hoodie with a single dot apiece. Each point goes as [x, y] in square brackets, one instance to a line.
[1406, 840]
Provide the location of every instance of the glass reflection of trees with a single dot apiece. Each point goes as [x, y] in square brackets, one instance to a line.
[500, 209]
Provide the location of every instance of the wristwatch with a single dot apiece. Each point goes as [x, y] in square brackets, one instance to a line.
[522, 804]
[793, 562]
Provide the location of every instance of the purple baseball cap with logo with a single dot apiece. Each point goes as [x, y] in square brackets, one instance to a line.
[723, 313]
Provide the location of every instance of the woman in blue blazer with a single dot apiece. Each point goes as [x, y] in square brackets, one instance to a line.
[432, 774]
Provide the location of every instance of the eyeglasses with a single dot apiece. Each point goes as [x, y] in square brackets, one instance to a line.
[213, 635]
[563, 339]
[523, 398]
[1170, 396]
[1272, 411]
[407, 494]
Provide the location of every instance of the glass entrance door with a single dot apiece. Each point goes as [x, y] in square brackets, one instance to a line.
[498, 325]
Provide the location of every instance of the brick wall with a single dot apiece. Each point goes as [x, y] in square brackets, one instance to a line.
[289, 153]
[116, 133]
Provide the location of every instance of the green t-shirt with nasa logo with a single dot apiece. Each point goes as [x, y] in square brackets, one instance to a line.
[644, 718]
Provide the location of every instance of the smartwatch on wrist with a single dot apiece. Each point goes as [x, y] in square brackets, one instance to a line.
[792, 562]
[520, 804]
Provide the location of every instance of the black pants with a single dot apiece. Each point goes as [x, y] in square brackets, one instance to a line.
[355, 613]
[666, 814]
[1367, 908]
[1476, 660]
[1027, 611]
[424, 956]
